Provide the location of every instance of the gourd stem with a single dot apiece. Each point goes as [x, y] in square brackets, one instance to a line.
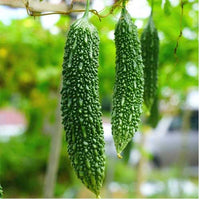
[124, 3]
[124, 6]
[152, 4]
[87, 9]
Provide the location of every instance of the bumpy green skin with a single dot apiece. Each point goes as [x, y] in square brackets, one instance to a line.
[150, 51]
[80, 104]
[1, 192]
[129, 82]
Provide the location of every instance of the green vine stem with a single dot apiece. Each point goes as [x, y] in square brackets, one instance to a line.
[182, 3]
[152, 5]
[124, 3]
[87, 9]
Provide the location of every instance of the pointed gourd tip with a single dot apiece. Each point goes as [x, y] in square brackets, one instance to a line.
[98, 196]
[119, 156]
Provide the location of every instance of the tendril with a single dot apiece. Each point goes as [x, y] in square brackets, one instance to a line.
[182, 3]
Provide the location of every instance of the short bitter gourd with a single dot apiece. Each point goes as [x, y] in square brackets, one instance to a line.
[129, 82]
[150, 51]
[80, 104]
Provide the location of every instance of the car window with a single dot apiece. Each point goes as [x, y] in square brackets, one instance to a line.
[176, 124]
[194, 121]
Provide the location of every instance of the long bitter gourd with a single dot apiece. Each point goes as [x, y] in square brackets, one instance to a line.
[154, 116]
[129, 81]
[150, 51]
[1, 192]
[80, 104]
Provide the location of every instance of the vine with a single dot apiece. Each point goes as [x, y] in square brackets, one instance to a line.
[117, 4]
[182, 3]
[71, 10]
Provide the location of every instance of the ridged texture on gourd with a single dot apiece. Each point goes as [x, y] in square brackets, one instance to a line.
[150, 51]
[80, 104]
[1, 192]
[129, 82]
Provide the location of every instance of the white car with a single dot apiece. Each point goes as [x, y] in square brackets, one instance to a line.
[170, 143]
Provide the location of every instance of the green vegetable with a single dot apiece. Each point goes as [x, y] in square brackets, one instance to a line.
[167, 7]
[1, 192]
[127, 152]
[154, 117]
[129, 82]
[80, 104]
[150, 51]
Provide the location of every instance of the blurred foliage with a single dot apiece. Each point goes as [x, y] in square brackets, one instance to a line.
[25, 157]
[31, 60]
[30, 77]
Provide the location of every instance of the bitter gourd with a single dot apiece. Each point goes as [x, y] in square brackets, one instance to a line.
[167, 7]
[127, 152]
[1, 192]
[154, 117]
[129, 82]
[80, 104]
[150, 51]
